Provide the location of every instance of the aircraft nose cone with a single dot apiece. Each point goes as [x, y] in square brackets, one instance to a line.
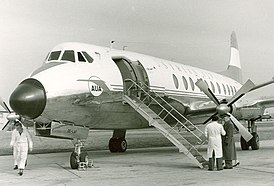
[28, 99]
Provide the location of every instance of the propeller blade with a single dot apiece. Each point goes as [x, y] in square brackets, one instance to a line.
[210, 118]
[249, 85]
[5, 128]
[18, 120]
[3, 104]
[203, 87]
[242, 130]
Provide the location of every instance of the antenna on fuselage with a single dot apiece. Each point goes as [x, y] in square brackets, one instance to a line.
[111, 45]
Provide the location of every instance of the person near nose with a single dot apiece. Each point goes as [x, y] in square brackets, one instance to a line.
[21, 142]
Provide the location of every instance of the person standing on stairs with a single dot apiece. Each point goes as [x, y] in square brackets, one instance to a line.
[213, 132]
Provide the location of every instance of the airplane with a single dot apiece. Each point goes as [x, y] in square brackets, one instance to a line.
[81, 87]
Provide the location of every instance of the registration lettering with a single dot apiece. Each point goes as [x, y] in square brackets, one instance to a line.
[71, 131]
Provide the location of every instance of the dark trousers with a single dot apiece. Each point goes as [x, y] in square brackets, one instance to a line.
[211, 162]
[228, 164]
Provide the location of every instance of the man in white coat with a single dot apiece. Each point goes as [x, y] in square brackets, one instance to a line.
[21, 142]
[213, 132]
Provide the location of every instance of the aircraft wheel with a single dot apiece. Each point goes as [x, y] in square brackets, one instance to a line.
[84, 157]
[112, 145]
[244, 144]
[122, 144]
[73, 160]
[255, 142]
[117, 145]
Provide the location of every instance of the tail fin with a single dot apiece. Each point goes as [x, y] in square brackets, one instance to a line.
[234, 70]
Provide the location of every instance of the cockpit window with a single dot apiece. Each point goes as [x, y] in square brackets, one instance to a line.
[80, 57]
[68, 56]
[90, 59]
[46, 57]
[54, 55]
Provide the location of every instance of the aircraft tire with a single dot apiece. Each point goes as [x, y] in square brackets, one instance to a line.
[255, 141]
[84, 157]
[122, 144]
[117, 145]
[244, 144]
[112, 145]
[73, 160]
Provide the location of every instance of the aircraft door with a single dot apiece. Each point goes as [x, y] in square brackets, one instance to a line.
[141, 74]
[133, 70]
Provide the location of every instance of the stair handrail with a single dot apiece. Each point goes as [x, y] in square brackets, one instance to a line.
[178, 121]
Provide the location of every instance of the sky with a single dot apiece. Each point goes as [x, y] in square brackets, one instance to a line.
[192, 32]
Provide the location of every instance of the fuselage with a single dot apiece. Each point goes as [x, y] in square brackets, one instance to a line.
[69, 93]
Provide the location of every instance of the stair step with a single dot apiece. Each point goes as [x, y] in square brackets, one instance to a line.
[171, 133]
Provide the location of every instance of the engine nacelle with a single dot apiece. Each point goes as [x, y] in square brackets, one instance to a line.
[250, 113]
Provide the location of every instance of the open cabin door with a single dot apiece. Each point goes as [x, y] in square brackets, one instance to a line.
[133, 70]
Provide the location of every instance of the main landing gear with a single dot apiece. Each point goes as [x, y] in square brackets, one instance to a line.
[118, 142]
[255, 141]
[79, 160]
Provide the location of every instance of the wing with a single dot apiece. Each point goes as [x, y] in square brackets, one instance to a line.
[267, 103]
[249, 111]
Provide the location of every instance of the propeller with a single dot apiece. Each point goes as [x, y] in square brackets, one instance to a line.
[242, 129]
[10, 117]
[248, 86]
[225, 107]
[4, 105]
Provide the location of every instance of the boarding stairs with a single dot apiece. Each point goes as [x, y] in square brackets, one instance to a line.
[145, 103]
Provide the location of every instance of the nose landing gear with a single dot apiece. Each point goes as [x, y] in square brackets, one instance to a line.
[79, 160]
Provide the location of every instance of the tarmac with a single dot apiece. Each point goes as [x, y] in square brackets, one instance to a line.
[142, 166]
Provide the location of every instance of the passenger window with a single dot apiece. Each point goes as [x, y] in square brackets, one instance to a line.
[175, 80]
[219, 88]
[54, 55]
[68, 56]
[232, 91]
[212, 86]
[228, 89]
[90, 59]
[185, 82]
[191, 83]
[80, 57]
[224, 88]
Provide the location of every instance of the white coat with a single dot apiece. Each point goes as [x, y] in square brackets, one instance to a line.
[21, 144]
[213, 132]
[15, 151]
